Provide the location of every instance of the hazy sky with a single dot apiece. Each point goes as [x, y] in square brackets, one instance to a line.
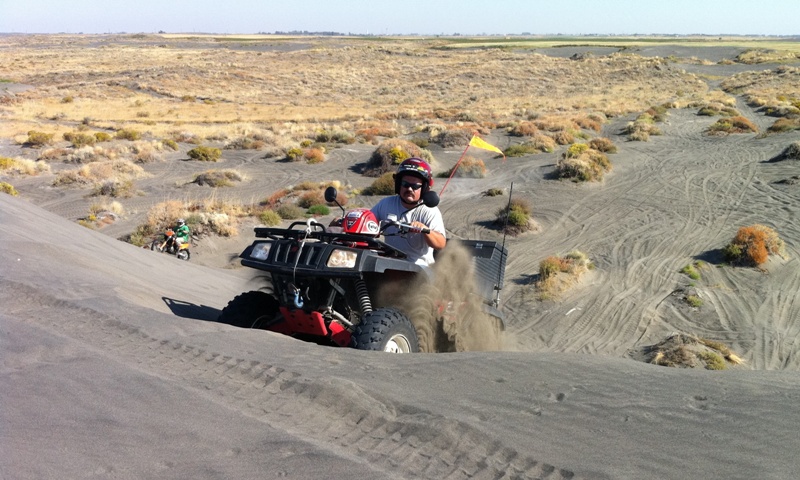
[382, 17]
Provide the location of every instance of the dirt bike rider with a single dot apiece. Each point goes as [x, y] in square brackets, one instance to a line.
[412, 179]
[181, 234]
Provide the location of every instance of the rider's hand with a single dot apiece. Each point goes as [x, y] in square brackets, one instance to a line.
[417, 227]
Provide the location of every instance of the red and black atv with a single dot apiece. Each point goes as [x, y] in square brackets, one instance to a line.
[325, 282]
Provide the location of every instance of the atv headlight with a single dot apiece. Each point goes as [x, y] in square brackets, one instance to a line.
[261, 251]
[342, 259]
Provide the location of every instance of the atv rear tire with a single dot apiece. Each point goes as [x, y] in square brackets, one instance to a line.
[385, 330]
[250, 310]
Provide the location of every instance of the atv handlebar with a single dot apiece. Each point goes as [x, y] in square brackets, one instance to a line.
[403, 227]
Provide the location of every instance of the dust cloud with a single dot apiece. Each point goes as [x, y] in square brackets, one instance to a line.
[447, 312]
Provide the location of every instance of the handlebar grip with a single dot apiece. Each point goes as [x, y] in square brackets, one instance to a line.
[426, 231]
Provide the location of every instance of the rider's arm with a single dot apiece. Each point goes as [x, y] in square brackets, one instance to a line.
[435, 239]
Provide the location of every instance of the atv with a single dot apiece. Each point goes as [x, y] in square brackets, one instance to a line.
[325, 282]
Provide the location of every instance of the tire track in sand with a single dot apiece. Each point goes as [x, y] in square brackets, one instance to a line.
[397, 438]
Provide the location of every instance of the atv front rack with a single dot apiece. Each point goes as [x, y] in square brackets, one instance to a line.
[316, 231]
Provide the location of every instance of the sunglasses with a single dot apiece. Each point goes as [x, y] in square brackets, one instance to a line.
[412, 186]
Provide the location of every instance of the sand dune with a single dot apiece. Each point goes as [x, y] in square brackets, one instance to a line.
[113, 365]
[112, 369]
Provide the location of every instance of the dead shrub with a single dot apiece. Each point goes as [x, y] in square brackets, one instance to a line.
[752, 245]
[218, 178]
[314, 155]
[453, 137]
[564, 137]
[470, 167]
[523, 129]
[792, 152]
[311, 197]
[588, 123]
[602, 144]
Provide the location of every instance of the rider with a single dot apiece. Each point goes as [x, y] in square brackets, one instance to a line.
[412, 179]
[181, 233]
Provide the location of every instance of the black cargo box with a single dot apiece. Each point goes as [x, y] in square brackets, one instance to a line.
[490, 265]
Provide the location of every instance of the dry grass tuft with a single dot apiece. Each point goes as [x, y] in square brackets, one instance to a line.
[558, 274]
[726, 126]
[470, 167]
[681, 350]
[583, 164]
[22, 166]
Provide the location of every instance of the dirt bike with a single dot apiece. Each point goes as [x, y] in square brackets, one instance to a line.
[169, 245]
[326, 282]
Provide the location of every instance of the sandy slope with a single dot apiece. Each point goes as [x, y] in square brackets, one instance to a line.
[111, 369]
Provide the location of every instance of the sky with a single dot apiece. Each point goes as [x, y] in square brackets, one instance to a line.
[393, 17]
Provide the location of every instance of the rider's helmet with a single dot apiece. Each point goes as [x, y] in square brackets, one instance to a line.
[181, 222]
[417, 167]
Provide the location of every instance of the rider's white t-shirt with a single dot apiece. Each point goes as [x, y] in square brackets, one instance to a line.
[413, 244]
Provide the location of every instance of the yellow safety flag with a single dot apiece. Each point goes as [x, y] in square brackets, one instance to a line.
[480, 143]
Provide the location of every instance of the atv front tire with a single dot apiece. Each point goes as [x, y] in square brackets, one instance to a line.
[385, 330]
[250, 310]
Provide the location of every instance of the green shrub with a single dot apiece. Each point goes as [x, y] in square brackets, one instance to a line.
[383, 185]
[694, 301]
[270, 218]
[520, 150]
[421, 142]
[590, 165]
[575, 150]
[494, 192]
[8, 188]
[170, 143]
[39, 139]
[732, 125]
[319, 210]
[205, 154]
[290, 211]
[516, 217]
[713, 360]
[691, 272]
[79, 140]
[390, 153]
[102, 137]
[294, 154]
[128, 134]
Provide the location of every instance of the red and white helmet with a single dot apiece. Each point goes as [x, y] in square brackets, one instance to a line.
[417, 167]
